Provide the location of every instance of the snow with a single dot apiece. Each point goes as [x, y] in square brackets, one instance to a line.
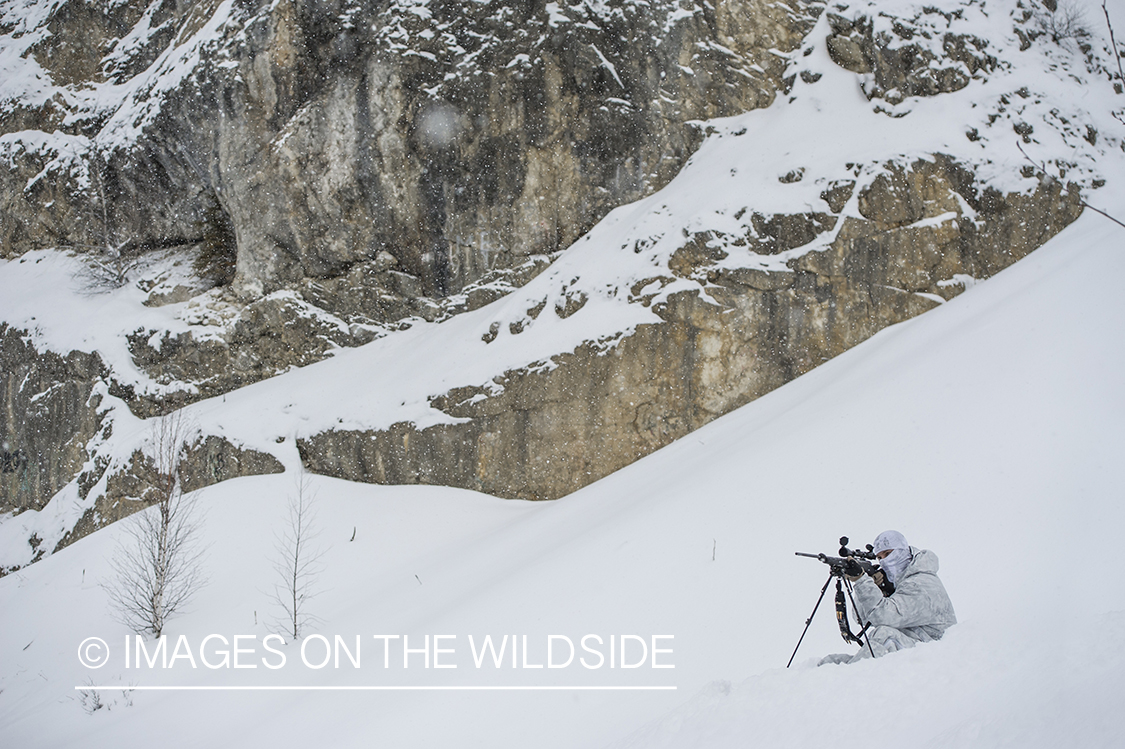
[63, 152]
[44, 292]
[143, 95]
[605, 63]
[23, 79]
[555, 16]
[128, 106]
[826, 131]
[988, 430]
[133, 42]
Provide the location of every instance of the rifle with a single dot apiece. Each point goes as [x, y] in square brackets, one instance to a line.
[839, 567]
[850, 559]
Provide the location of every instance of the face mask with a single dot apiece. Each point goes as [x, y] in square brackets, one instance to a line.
[894, 563]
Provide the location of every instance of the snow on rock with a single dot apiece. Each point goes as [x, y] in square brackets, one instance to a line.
[815, 153]
[986, 431]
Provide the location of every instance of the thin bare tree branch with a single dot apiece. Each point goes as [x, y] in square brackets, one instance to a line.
[1047, 176]
[110, 258]
[1113, 44]
[298, 561]
[157, 563]
[1066, 21]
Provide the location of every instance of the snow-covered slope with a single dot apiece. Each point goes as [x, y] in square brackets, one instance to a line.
[988, 430]
[826, 130]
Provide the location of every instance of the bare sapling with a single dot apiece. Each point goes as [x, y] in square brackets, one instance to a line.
[298, 560]
[110, 256]
[157, 563]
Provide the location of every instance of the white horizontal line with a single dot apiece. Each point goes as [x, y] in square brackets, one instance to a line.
[387, 688]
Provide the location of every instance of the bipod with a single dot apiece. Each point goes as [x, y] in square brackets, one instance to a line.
[841, 614]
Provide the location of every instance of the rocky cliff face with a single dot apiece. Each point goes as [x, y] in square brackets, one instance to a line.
[924, 231]
[354, 164]
[258, 186]
[48, 413]
[55, 422]
[410, 151]
[459, 138]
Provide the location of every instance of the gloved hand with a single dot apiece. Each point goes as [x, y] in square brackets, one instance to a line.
[884, 584]
[852, 569]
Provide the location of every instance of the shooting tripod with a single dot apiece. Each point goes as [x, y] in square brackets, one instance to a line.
[841, 612]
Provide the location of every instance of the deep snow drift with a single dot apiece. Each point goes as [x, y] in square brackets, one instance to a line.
[988, 430]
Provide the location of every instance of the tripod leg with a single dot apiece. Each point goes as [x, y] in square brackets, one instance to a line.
[865, 625]
[809, 620]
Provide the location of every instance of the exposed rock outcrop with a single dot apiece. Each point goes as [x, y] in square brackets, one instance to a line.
[335, 172]
[52, 417]
[213, 459]
[132, 487]
[367, 162]
[48, 413]
[458, 138]
[907, 57]
[242, 343]
[926, 230]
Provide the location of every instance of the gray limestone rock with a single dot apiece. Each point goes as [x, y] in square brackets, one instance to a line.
[369, 166]
[913, 58]
[204, 462]
[551, 431]
[48, 412]
[329, 134]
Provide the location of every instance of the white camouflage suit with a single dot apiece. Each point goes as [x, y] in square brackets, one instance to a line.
[919, 610]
